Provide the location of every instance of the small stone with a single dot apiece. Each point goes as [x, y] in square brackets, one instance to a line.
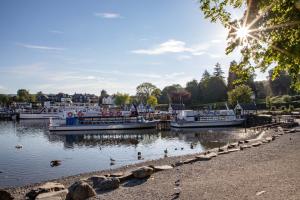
[231, 146]
[179, 163]
[80, 190]
[256, 144]
[191, 160]
[233, 150]
[203, 157]
[241, 142]
[142, 172]
[224, 152]
[269, 139]
[116, 174]
[162, 167]
[4, 195]
[260, 193]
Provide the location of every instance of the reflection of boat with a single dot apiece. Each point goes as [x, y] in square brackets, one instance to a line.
[212, 118]
[102, 123]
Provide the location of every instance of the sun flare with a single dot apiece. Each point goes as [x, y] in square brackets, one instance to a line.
[242, 32]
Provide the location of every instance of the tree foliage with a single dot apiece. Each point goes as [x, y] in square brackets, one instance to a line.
[122, 99]
[167, 91]
[272, 38]
[152, 101]
[144, 90]
[241, 94]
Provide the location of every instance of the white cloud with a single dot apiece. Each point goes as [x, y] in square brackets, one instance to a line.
[172, 46]
[40, 47]
[108, 15]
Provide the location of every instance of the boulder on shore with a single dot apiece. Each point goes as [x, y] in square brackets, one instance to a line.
[80, 190]
[4, 195]
[105, 183]
[142, 172]
[47, 187]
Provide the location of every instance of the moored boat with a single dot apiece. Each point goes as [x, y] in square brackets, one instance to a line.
[102, 123]
[209, 118]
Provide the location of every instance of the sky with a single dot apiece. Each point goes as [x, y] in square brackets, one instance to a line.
[85, 46]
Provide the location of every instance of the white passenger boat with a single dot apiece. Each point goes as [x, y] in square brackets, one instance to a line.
[209, 118]
[101, 123]
[44, 113]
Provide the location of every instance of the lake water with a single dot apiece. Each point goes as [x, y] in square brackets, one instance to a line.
[86, 152]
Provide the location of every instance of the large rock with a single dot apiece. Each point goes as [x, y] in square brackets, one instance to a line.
[59, 195]
[4, 195]
[142, 172]
[105, 183]
[80, 191]
[47, 187]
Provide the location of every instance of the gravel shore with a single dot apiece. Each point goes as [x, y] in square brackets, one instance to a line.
[270, 171]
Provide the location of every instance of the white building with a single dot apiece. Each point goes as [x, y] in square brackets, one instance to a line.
[110, 100]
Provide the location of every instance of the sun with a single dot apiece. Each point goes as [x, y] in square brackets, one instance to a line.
[242, 32]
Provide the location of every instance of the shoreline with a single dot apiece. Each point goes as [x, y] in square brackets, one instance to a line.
[19, 192]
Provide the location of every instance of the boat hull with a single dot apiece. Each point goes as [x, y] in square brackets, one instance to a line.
[203, 124]
[40, 116]
[147, 125]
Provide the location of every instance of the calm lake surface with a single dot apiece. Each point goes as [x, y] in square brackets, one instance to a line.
[86, 152]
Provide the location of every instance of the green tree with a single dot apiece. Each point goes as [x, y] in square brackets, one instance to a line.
[213, 88]
[193, 88]
[122, 99]
[232, 78]
[241, 94]
[281, 84]
[23, 95]
[268, 34]
[4, 100]
[152, 101]
[144, 90]
[218, 72]
[167, 91]
[156, 92]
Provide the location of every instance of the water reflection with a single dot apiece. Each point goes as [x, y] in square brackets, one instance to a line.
[89, 151]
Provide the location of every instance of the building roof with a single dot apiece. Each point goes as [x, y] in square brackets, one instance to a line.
[247, 106]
